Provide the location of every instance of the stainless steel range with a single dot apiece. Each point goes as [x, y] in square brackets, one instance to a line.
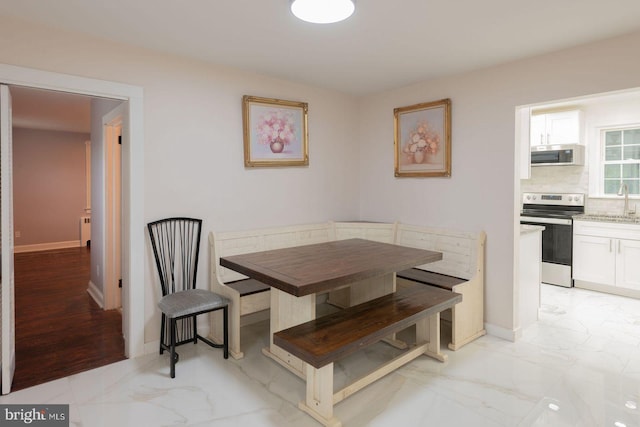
[555, 212]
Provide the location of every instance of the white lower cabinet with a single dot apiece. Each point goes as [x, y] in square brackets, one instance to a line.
[628, 264]
[607, 254]
[594, 260]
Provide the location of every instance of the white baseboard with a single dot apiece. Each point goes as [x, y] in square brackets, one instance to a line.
[152, 347]
[46, 246]
[614, 290]
[96, 294]
[504, 333]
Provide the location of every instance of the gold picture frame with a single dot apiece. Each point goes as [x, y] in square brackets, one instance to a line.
[422, 139]
[275, 132]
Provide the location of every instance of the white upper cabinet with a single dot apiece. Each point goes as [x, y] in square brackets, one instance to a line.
[562, 127]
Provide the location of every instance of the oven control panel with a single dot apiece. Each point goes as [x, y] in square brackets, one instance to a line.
[560, 199]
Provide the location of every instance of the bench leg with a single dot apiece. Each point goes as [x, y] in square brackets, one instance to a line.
[467, 317]
[428, 330]
[217, 330]
[234, 329]
[319, 398]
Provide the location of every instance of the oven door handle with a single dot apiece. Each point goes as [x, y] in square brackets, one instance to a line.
[540, 220]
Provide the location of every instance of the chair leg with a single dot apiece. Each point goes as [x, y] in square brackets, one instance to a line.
[173, 348]
[195, 329]
[162, 326]
[225, 325]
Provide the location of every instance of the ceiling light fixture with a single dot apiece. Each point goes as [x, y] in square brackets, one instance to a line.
[323, 11]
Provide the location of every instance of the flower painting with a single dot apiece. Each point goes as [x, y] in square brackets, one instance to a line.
[275, 132]
[422, 139]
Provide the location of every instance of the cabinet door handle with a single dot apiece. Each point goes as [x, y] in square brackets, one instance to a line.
[541, 139]
[610, 245]
[548, 138]
[619, 246]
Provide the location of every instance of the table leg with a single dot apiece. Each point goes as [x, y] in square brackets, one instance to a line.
[428, 330]
[287, 311]
[369, 289]
[363, 291]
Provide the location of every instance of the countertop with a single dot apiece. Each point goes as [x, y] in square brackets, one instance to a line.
[630, 219]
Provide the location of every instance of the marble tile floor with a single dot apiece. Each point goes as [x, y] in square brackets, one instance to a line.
[579, 365]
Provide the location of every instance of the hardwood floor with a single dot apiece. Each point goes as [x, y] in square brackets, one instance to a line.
[60, 330]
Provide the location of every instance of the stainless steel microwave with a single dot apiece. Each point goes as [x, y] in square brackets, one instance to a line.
[557, 155]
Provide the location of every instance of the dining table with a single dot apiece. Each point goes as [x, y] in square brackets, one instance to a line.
[352, 271]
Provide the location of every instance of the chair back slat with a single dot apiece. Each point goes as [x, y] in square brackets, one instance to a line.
[176, 248]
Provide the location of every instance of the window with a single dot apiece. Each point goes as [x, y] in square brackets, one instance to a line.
[621, 160]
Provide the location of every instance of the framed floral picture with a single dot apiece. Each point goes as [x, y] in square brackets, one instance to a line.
[275, 132]
[422, 139]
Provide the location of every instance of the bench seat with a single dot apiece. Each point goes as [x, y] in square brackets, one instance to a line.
[442, 281]
[329, 338]
[323, 341]
[246, 287]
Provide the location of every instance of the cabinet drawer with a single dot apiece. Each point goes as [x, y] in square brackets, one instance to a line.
[607, 229]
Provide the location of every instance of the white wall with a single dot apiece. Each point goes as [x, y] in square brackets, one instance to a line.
[193, 139]
[481, 194]
[49, 187]
[194, 158]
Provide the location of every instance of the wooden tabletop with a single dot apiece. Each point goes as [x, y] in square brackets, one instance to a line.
[304, 270]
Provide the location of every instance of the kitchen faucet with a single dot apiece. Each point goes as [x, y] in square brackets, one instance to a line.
[624, 190]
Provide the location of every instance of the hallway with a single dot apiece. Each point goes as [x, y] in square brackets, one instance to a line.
[60, 330]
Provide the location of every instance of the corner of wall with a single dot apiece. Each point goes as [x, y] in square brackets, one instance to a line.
[96, 294]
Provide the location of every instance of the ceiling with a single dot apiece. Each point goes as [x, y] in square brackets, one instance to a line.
[49, 110]
[385, 45]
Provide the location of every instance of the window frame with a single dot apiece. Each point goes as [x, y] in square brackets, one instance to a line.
[599, 162]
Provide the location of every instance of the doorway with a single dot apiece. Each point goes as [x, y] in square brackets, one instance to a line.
[592, 114]
[132, 192]
[64, 324]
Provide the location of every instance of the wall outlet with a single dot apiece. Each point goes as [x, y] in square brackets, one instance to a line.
[18, 234]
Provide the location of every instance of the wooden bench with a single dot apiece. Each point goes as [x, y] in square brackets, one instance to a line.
[248, 296]
[461, 270]
[327, 339]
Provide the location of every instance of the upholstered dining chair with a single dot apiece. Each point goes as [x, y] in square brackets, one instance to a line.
[176, 245]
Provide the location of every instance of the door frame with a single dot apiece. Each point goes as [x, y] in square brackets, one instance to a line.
[112, 124]
[133, 248]
[7, 294]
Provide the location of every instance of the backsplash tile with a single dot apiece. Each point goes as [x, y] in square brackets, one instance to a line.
[571, 179]
[557, 179]
[599, 206]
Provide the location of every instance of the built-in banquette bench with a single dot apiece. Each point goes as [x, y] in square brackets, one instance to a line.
[461, 270]
[327, 339]
[463, 257]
